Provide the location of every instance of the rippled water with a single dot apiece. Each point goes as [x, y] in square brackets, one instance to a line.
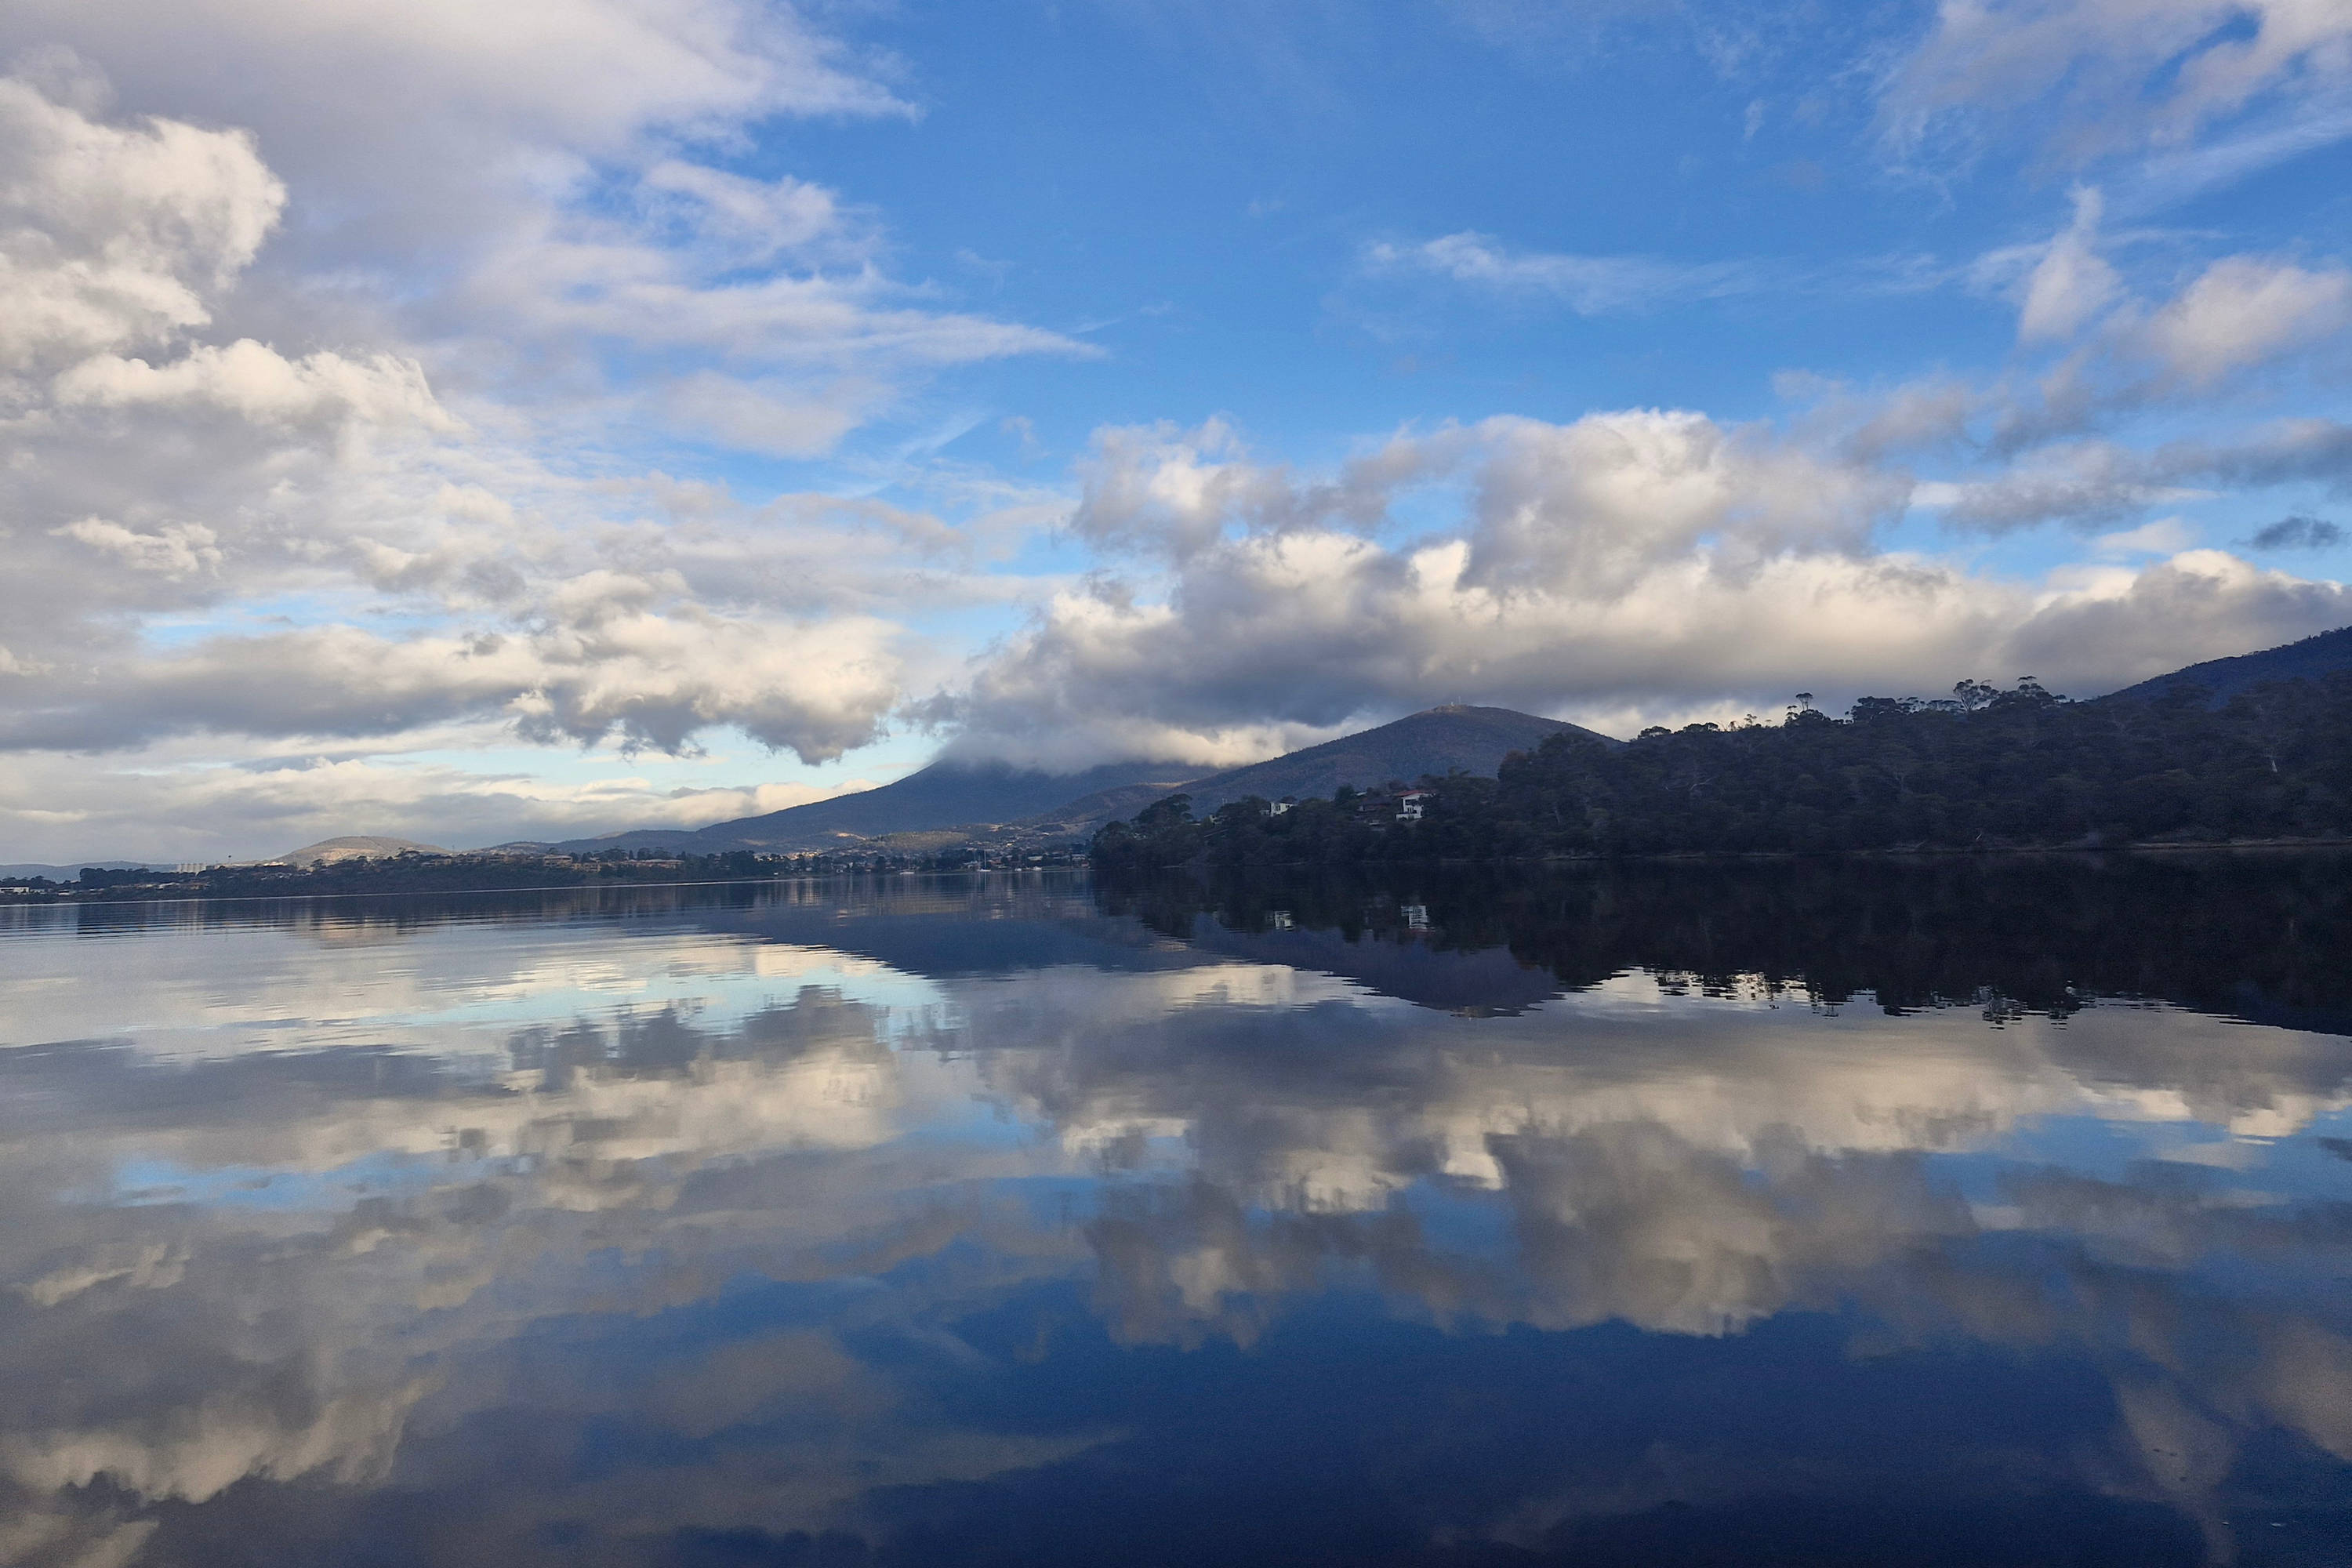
[1788, 1213]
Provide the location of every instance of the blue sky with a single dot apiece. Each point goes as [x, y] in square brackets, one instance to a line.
[593, 414]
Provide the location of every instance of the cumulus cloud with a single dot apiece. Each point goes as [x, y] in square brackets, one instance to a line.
[175, 550]
[199, 435]
[1650, 560]
[546, 193]
[439, 570]
[116, 235]
[616, 661]
[449, 108]
[254, 383]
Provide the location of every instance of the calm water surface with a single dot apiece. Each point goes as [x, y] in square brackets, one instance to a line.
[1938, 1215]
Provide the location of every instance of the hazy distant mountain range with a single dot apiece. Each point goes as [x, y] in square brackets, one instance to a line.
[66, 873]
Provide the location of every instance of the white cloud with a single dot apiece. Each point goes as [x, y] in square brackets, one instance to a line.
[175, 551]
[615, 658]
[1649, 559]
[2164, 536]
[445, 102]
[340, 555]
[1589, 285]
[2071, 283]
[2116, 353]
[755, 220]
[619, 289]
[535, 203]
[2082, 483]
[2244, 310]
[177, 800]
[114, 235]
[256, 383]
[2085, 78]
[773, 418]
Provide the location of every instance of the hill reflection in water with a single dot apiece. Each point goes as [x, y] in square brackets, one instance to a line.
[1964, 1212]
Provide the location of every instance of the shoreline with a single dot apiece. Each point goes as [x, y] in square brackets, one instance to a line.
[1657, 857]
[46, 898]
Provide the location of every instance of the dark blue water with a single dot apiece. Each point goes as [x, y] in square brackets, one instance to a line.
[1778, 1215]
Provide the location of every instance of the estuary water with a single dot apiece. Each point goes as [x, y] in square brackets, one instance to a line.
[1959, 1213]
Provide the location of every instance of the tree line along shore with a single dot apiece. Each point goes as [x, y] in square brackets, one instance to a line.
[1983, 769]
[479, 872]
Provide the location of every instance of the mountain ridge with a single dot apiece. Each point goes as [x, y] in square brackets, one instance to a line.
[953, 794]
[1475, 740]
[2323, 653]
[950, 792]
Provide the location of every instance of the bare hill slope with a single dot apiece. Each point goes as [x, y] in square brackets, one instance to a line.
[357, 847]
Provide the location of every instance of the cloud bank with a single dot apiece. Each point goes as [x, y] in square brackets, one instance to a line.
[1629, 565]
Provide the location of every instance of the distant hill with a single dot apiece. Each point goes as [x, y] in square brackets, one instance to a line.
[356, 847]
[2313, 657]
[948, 794]
[70, 869]
[1437, 741]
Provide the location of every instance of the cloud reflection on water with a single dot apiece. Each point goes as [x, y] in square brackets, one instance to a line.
[558, 1236]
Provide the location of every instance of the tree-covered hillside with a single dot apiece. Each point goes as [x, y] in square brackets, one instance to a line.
[1982, 769]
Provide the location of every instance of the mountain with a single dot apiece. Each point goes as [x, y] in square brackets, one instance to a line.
[952, 794]
[356, 847]
[2313, 657]
[1437, 741]
[948, 794]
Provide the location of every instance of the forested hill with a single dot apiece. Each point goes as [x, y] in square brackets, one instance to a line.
[1984, 769]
